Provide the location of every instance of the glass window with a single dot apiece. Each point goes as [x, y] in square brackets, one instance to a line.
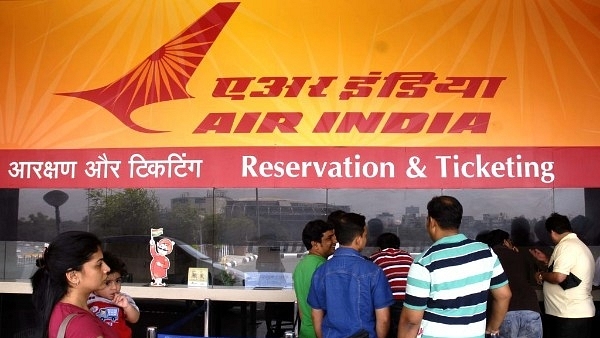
[236, 232]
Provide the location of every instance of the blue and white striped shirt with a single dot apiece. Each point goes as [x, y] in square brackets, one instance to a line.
[450, 282]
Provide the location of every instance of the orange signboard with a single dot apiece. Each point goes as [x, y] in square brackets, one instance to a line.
[468, 94]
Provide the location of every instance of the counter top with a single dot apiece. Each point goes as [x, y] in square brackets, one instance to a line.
[178, 291]
[218, 293]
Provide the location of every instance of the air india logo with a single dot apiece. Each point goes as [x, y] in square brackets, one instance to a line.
[162, 76]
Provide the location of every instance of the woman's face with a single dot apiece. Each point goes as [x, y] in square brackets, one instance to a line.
[93, 272]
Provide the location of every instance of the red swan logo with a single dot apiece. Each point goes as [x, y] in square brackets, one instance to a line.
[163, 76]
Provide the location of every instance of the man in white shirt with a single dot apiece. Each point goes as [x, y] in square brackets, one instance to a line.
[567, 284]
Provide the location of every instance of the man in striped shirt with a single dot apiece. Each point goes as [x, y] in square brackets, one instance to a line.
[448, 285]
[395, 263]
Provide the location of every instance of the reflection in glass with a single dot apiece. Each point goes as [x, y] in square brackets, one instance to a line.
[228, 230]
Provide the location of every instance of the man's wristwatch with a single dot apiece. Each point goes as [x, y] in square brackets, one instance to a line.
[494, 334]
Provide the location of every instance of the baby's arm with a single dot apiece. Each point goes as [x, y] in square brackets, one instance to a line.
[132, 312]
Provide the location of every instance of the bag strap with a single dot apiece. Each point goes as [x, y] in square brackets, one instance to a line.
[63, 326]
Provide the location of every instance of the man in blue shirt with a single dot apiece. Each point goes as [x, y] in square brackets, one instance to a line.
[349, 294]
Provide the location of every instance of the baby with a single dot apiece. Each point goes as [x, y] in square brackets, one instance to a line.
[109, 304]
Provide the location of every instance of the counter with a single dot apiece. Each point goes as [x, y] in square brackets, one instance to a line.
[178, 291]
[217, 293]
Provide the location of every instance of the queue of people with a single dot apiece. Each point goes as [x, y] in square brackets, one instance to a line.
[458, 287]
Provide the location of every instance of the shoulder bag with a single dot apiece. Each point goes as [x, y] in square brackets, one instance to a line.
[63, 326]
[570, 282]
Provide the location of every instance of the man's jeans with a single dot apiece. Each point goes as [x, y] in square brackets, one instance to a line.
[522, 324]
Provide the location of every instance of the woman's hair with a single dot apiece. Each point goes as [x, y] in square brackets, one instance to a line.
[68, 251]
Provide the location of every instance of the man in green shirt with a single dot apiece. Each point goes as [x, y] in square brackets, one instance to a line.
[319, 238]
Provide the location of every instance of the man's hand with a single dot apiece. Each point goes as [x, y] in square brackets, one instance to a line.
[317, 318]
[539, 255]
[382, 322]
[410, 323]
[499, 306]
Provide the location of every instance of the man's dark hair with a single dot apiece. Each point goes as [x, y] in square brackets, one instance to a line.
[495, 237]
[558, 223]
[350, 226]
[388, 240]
[115, 264]
[334, 216]
[446, 210]
[520, 231]
[482, 236]
[313, 231]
